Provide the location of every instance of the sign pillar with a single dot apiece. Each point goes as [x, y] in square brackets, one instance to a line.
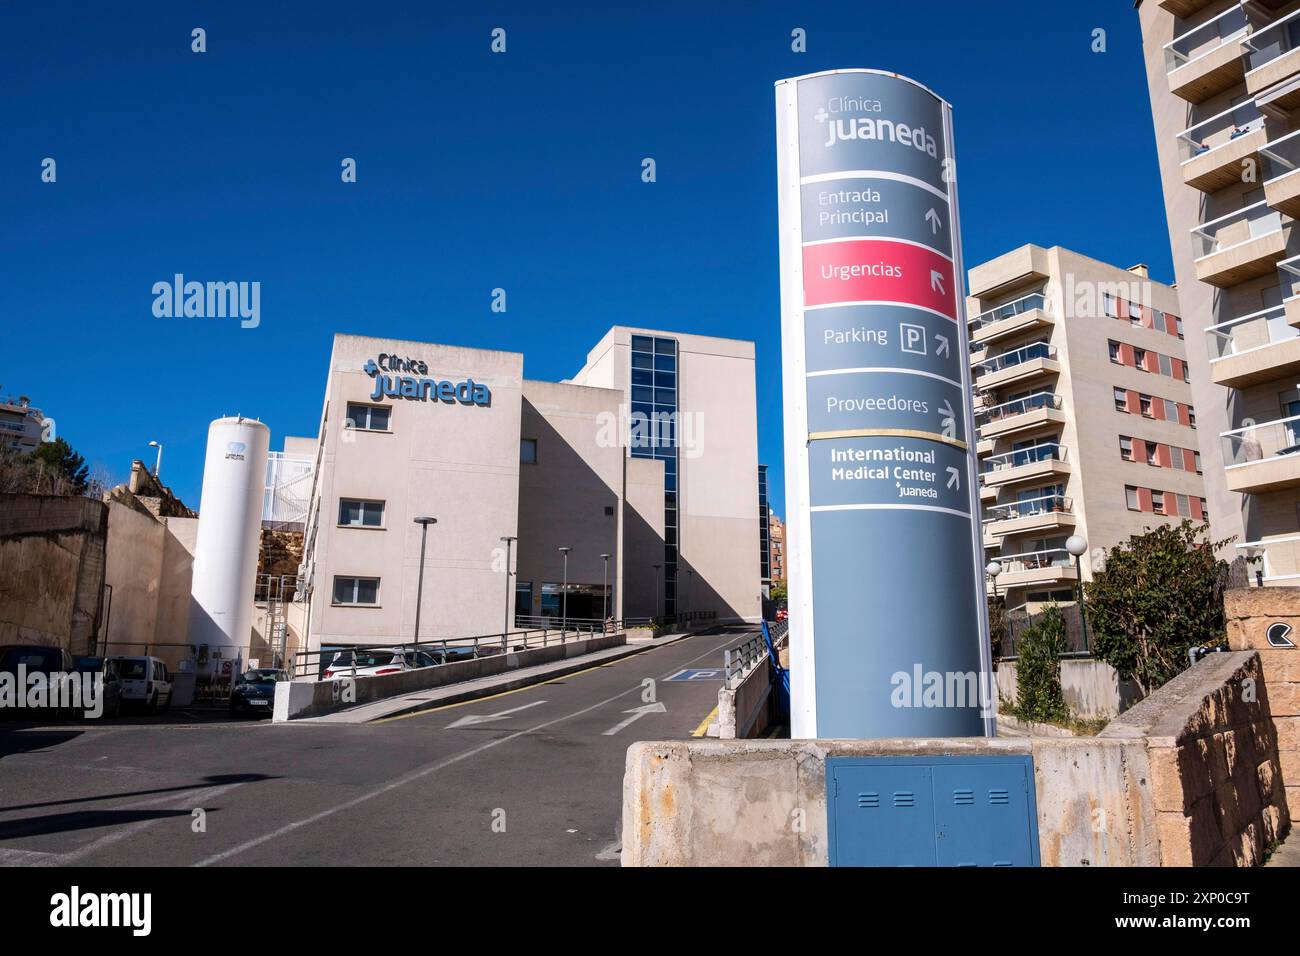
[888, 617]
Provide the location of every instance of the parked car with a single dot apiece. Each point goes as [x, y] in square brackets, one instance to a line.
[254, 692]
[370, 662]
[782, 614]
[112, 686]
[145, 681]
[35, 659]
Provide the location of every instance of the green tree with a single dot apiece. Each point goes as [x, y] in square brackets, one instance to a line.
[1038, 668]
[1158, 595]
[58, 458]
[779, 592]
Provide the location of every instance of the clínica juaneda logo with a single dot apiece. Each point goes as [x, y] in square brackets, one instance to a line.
[209, 300]
[418, 387]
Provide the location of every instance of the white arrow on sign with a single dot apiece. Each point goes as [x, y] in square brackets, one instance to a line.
[637, 713]
[936, 281]
[941, 349]
[954, 478]
[932, 218]
[471, 719]
[947, 420]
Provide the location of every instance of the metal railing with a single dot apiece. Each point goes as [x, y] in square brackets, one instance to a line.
[1275, 560]
[1026, 353]
[1267, 43]
[311, 665]
[1027, 507]
[1034, 560]
[1235, 229]
[1026, 303]
[1219, 130]
[737, 662]
[1020, 406]
[1261, 441]
[1228, 27]
[1253, 331]
[1280, 157]
[1048, 451]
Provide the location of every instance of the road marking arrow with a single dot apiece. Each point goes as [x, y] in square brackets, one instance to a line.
[941, 349]
[936, 282]
[954, 478]
[637, 713]
[471, 719]
[932, 218]
[947, 420]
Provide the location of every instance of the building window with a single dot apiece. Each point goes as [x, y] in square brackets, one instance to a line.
[357, 513]
[1184, 505]
[368, 418]
[1197, 455]
[1144, 403]
[1158, 502]
[1131, 498]
[1125, 447]
[1114, 353]
[1171, 410]
[1191, 416]
[1109, 306]
[1135, 312]
[1153, 453]
[1121, 400]
[1140, 359]
[528, 451]
[363, 591]
[1166, 365]
[523, 602]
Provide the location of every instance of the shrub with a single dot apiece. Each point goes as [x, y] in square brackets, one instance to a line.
[1038, 671]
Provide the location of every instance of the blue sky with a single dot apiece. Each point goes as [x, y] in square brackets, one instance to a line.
[478, 171]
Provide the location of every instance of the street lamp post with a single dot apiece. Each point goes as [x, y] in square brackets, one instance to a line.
[505, 630]
[157, 464]
[604, 595]
[993, 569]
[564, 594]
[1077, 545]
[424, 523]
[656, 608]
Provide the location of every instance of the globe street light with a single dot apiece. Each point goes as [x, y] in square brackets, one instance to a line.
[424, 523]
[993, 569]
[505, 630]
[157, 465]
[1077, 545]
[564, 594]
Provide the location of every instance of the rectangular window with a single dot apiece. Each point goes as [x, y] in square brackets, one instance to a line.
[1135, 312]
[1121, 400]
[1178, 326]
[357, 513]
[1140, 359]
[1158, 502]
[1114, 353]
[1184, 506]
[1108, 305]
[1131, 497]
[1171, 410]
[528, 451]
[1191, 416]
[1126, 447]
[1197, 456]
[1166, 366]
[369, 418]
[1144, 402]
[356, 590]
[1152, 453]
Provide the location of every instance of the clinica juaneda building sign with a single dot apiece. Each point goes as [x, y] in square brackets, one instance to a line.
[883, 540]
[403, 377]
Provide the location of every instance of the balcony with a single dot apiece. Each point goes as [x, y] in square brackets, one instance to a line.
[1254, 348]
[984, 446]
[1241, 245]
[1184, 8]
[1273, 561]
[1035, 568]
[1207, 59]
[1044, 461]
[1280, 169]
[1021, 414]
[1212, 151]
[1046, 513]
[988, 494]
[1273, 57]
[1020, 315]
[1288, 271]
[1019, 365]
[1263, 457]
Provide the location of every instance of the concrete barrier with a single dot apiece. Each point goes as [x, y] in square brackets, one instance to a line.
[746, 709]
[1092, 688]
[294, 699]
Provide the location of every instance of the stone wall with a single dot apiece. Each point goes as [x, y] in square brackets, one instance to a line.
[1092, 688]
[1249, 613]
[1212, 750]
[51, 570]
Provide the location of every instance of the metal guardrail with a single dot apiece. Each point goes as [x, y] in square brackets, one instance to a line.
[740, 660]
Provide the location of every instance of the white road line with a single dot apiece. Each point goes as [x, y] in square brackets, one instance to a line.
[425, 771]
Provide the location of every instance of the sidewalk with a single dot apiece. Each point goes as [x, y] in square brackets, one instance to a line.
[432, 697]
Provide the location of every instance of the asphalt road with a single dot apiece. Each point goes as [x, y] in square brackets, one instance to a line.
[538, 785]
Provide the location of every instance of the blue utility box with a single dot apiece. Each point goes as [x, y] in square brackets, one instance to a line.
[969, 810]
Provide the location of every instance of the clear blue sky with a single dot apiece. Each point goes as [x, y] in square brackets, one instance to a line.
[476, 171]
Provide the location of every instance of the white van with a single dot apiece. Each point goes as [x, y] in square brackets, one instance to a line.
[145, 680]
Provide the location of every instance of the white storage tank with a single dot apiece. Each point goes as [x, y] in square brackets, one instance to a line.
[225, 554]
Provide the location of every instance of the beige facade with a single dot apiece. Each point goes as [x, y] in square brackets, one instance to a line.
[414, 429]
[1224, 78]
[1085, 416]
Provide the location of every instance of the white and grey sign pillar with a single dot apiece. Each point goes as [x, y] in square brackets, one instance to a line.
[888, 616]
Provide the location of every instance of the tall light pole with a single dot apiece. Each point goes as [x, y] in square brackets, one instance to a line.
[157, 464]
[1077, 545]
[993, 569]
[656, 608]
[424, 523]
[505, 630]
[604, 596]
[564, 594]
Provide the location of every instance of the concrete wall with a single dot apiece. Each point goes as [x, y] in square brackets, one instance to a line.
[1092, 688]
[306, 698]
[51, 570]
[1212, 751]
[746, 710]
[643, 537]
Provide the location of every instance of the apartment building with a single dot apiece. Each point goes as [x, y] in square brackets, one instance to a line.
[1224, 81]
[1086, 421]
[776, 552]
[22, 427]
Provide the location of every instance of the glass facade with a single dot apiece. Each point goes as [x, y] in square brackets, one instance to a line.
[653, 428]
[764, 528]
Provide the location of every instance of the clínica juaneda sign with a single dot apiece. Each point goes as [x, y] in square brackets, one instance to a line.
[387, 371]
[888, 621]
